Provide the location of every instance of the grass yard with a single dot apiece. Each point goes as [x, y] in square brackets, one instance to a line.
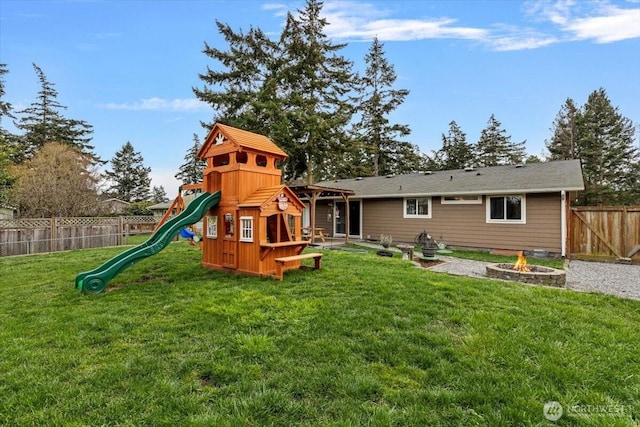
[366, 340]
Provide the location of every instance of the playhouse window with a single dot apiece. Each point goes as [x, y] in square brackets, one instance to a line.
[212, 227]
[246, 229]
[510, 209]
[278, 229]
[261, 160]
[417, 208]
[221, 160]
[241, 157]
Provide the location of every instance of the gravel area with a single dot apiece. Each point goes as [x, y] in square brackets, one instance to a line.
[615, 279]
[461, 267]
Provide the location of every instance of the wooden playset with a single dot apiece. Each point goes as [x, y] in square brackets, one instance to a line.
[251, 221]
[256, 228]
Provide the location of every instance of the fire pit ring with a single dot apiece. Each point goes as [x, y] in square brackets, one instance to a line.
[536, 275]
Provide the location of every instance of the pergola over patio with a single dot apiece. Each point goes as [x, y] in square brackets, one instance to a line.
[312, 192]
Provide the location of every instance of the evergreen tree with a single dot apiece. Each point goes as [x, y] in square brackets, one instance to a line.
[5, 107]
[192, 170]
[129, 178]
[387, 154]
[242, 93]
[158, 194]
[293, 90]
[57, 181]
[532, 158]
[605, 146]
[316, 82]
[495, 147]
[42, 123]
[456, 152]
[6, 141]
[562, 145]
[6, 177]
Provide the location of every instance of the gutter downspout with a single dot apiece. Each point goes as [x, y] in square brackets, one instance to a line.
[563, 223]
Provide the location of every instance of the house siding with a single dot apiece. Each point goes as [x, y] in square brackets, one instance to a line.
[464, 225]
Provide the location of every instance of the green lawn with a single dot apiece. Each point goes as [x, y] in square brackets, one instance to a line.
[366, 340]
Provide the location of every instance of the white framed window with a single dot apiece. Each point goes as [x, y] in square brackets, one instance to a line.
[508, 209]
[246, 229]
[417, 207]
[461, 200]
[212, 227]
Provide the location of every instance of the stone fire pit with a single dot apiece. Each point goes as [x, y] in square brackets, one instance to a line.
[536, 275]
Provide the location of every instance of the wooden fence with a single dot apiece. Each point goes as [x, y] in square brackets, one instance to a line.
[605, 233]
[38, 235]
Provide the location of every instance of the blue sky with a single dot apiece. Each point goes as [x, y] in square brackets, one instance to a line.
[128, 67]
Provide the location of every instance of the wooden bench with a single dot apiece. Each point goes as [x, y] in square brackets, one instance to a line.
[281, 263]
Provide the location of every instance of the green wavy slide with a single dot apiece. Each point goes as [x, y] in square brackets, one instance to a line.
[95, 281]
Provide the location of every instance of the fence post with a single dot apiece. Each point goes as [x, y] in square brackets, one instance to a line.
[623, 232]
[120, 229]
[53, 240]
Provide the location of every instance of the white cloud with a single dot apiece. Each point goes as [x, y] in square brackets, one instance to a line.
[555, 12]
[159, 104]
[411, 29]
[614, 24]
[363, 21]
[598, 21]
[520, 42]
[279, 8]
[570, 20]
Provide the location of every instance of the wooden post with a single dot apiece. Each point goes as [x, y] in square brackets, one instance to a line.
[121, 229]
[313, 198]
[623, 232]
[346, 217]
[53, 240]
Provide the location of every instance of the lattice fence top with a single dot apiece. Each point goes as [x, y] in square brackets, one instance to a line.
[139, 219]
[87, 221]
[76, 221]
[26, 223]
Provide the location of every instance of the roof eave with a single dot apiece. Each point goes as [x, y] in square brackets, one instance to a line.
[463, 193]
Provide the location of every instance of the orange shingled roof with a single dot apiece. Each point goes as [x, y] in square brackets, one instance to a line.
[243, 138]
[268, 194]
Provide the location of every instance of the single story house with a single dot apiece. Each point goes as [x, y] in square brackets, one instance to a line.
[7, 212]
[515, 207]
[159, 209]
[112, 206]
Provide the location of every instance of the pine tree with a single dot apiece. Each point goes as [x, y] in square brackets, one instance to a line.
[315, 83]
[191, 171]
[456, 152]
[6, 177]
[240, 87]
[129, 177]
[495, 147]
[158, 194]
[377, 99]
[6, 141]
[42, 123]
[605, 146]
[562, 145]
[5, 107]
